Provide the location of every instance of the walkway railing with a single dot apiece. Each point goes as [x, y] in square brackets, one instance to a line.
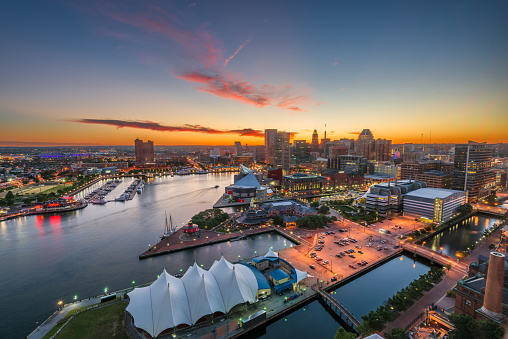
[339, 309]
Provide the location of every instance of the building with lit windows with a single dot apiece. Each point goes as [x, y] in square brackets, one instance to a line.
[144, 151]
[436, 204]
[473, 170]
[282, 151]
[302, 183]
[389, 196]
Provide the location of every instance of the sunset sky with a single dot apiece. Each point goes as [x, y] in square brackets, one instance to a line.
[215, 72]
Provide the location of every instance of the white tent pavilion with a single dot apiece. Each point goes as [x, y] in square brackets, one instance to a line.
[170, 301]
[271, 254]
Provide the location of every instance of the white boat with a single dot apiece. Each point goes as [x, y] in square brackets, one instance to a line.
[98, 201]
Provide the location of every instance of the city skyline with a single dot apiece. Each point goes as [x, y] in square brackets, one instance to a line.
[212, 74]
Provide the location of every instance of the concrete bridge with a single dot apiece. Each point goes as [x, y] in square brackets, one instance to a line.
[437, 257]
[337, 307]
[497, 211]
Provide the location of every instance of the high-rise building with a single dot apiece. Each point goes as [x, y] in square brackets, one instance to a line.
[270, 145]
[144, 151]
[282, 150]
[371, 149]
[383, 150]
[315, 141]
[238, 147]
[472, 170]
[301, 152]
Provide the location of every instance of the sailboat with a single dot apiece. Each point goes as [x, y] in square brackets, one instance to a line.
[169, 228]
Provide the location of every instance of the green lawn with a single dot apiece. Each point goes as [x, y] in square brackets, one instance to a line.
[106, 322]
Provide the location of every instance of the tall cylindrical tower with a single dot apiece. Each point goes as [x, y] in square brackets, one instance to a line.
[492, 302]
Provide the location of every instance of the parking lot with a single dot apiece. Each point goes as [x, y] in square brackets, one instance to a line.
[339, 267]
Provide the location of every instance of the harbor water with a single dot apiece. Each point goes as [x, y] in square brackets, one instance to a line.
[50, 258]
[460, 237]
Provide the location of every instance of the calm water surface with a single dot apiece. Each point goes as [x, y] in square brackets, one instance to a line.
[461, 236]
[49, 258]
[359, 296]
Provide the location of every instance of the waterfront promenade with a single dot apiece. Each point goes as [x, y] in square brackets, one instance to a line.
[438, 292]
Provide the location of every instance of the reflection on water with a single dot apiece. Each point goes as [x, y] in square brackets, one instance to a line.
[359, 296]
[461, 236]
[48, 258]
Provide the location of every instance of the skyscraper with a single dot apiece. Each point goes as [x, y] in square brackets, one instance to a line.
[371, 149]
[144, 151]
[270, 145]
[282, 150]
[472, 170]
[315, 141]
[239, 148]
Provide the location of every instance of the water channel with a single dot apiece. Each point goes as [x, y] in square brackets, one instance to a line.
[461, 236]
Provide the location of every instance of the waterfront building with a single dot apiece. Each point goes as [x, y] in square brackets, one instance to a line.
[484, 294]
[436, 204]
[270, 145]
[246, 189]
[282, 151]
[302, 183]
[144, 151]
[171, 302]
[473, 173]
[389, 197]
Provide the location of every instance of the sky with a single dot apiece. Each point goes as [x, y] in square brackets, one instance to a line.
[216, 72]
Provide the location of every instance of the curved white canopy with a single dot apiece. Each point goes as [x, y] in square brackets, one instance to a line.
[169, 301]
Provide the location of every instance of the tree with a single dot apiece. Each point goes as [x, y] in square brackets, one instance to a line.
[278, 220]
[324, 210]
[465, 326]
[465, 209]
[448, 267]
[490, 329]
[343, 334]
[396, 333]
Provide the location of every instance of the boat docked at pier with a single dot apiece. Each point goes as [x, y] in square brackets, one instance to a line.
[169, 228]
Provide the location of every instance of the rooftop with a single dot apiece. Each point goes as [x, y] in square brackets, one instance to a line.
[432, 193]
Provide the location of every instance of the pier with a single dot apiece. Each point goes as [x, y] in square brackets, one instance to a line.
[337, 307]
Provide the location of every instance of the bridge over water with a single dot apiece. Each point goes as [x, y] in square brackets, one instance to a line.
[337, 307]
[436, 257]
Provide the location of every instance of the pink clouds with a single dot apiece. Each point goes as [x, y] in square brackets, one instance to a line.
[236, 87]
[204, 60]
[155, 126]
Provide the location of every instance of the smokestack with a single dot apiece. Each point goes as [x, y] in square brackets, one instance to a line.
[493, 300]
